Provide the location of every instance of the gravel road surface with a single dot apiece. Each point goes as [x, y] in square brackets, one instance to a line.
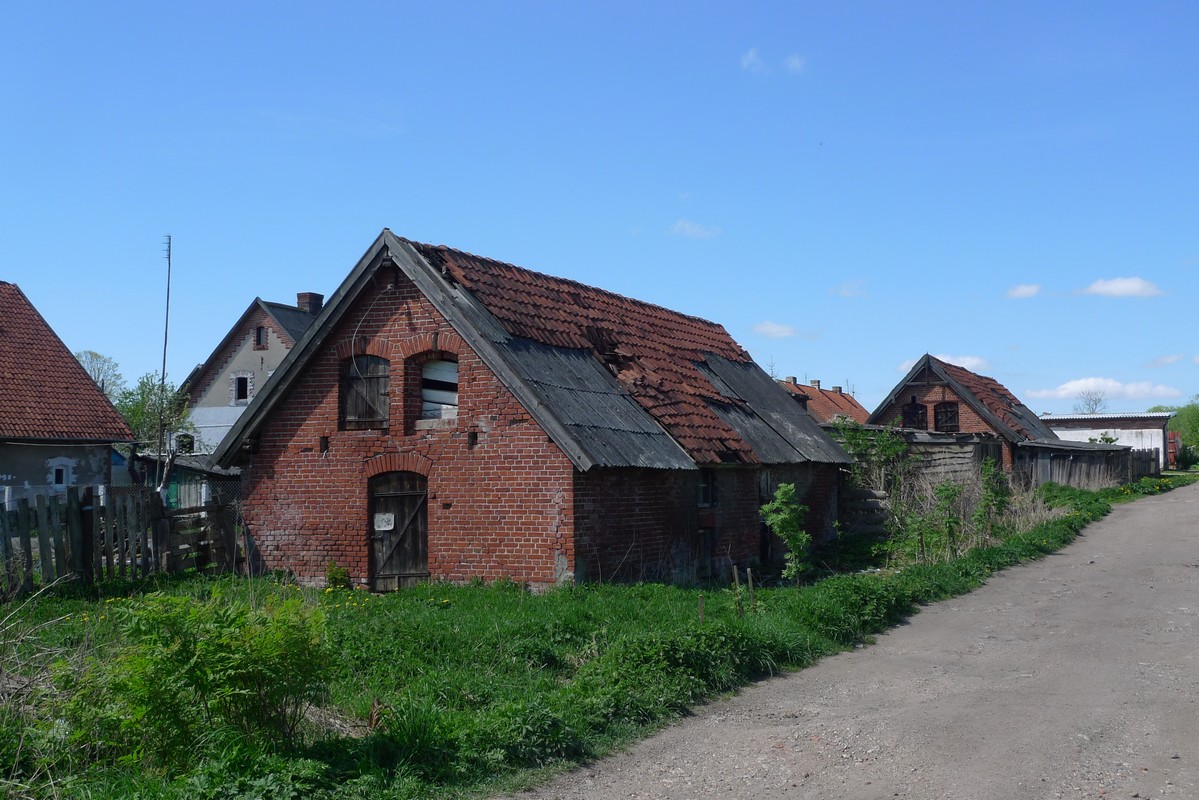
[1076, 676]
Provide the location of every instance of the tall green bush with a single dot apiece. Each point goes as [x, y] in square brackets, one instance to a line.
[785, 517]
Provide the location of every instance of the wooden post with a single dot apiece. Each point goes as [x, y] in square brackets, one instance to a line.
[45, 552]
[79, 564]
[749, 576]
[701, 608]
[86, 521]
[737, 593]
[23, 525]
[8, 579]
[159, 527]
[61, 542]
[101, 523]
[116, 505]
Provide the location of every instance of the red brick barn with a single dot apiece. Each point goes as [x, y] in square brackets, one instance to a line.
[938, 396]
[448, 416]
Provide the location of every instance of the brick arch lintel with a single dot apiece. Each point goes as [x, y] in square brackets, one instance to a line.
[363, 346]
[398, 462]
[436, 342]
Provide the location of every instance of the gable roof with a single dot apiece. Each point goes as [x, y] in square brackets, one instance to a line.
[992, 401]
[826, 405]
[291, 320]
[45, 394]
[616, 382]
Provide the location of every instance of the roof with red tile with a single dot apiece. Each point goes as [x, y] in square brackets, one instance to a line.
[1010, 417]
[44, 392]
[827, 405]
[616, 382]
[651, 350]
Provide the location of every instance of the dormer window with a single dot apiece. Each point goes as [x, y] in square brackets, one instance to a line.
[439, 389]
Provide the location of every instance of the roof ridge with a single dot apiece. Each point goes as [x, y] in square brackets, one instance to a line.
[561, 279]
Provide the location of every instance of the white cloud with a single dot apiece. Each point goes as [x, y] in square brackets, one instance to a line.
[1123, 287]
[972, 363]
[795, 63]
[1165, 361]
[774, 330]
[1023, 290]
[1112, 389]
[849, 289]
[693, 230]
[752, 62]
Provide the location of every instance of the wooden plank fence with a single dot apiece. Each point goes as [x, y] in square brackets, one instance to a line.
[122, 532]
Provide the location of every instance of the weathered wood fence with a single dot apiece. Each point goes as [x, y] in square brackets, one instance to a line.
[122, 532]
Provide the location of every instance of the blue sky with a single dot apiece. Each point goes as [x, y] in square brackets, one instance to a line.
[843, 186]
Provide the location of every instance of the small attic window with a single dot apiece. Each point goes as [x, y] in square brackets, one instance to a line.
[241, 391]
[260, 338]
[439, 389]
[945, 417]
[915, 415]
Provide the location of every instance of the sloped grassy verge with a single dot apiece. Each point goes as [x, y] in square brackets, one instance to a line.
[189, 691]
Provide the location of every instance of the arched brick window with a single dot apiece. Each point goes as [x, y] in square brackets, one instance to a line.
[439, 389]
[365, 393]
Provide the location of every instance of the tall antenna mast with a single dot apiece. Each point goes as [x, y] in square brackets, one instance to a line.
[162, 380]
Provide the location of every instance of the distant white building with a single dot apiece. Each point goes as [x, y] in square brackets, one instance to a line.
[220, 389]
[1140, 430]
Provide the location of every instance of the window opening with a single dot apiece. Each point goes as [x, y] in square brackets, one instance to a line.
[439, 389]
[945, 417]
[365, 387]
[260, 336]
[707, 488]
[60, 476]
[242, 390]
[915, 415]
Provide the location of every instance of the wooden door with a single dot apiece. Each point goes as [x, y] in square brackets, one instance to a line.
[399, 530]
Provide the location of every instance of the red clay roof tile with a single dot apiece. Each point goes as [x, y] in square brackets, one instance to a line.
[44, 392]
[651, 350]
[826, 405]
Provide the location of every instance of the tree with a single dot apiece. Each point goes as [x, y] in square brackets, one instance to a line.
[141, 407]
[1092, 401]
[1185, 420]
[104, 371]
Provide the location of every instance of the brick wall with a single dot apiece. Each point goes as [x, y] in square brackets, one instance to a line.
[500, 492]
[646, 524]
[968, 419]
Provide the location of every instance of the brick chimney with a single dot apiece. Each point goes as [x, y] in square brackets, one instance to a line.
[837, 389]
[791, 380]
[310, 302]
[815, 384]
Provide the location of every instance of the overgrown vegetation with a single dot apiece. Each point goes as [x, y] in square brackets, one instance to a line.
[240, 688]
[784, 516]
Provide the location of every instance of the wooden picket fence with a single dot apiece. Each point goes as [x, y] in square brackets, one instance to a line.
[122, 532]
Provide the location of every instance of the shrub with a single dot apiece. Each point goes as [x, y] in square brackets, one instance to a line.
[785, 517]
[192, 670]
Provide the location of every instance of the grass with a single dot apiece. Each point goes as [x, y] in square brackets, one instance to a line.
[446, 691]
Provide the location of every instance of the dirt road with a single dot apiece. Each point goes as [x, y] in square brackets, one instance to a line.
[1075, 676]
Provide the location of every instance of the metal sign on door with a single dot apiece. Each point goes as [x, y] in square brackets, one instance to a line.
[385, 522]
